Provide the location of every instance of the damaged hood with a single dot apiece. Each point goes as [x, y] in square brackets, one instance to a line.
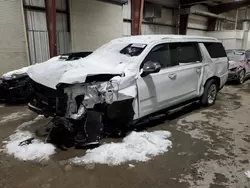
[52, 73]
[106, 60]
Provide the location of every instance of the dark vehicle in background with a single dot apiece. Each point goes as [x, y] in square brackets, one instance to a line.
[239, 65]
[16, 86]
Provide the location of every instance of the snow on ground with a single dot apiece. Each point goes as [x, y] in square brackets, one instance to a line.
[13, 116]
[137, 146]
[131, 165]
[248, 173]
[36, 151]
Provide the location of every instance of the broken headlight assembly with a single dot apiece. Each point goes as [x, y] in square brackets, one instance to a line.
[83, 97]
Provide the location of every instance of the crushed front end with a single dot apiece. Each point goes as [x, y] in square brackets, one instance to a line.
[92, 109]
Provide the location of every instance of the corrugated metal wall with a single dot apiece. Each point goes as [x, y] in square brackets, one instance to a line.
[37, 36]
[37, 31]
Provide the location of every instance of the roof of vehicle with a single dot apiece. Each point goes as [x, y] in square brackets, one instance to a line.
[146, 39]
[233, 50]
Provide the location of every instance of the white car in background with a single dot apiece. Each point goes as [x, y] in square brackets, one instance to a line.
[128, 79]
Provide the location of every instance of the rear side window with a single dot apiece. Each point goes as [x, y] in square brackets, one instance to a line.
[215, 50]
[187, 52]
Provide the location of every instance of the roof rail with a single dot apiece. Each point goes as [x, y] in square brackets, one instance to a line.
[194, 38]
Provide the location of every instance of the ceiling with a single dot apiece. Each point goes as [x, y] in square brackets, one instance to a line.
[217, 6]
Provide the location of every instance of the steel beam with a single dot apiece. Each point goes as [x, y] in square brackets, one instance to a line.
[136, 13]
[190, 2]
[226, 7]
[183, 24]
[50, 9]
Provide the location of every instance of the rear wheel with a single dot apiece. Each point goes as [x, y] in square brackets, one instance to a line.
[241, 76]
[210, 93]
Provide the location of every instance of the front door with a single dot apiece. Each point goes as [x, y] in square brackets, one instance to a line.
[177, 81]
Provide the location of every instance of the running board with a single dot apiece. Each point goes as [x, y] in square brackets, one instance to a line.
[174, 110]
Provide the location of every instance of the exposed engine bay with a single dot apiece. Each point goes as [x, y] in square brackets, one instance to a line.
[88, 111]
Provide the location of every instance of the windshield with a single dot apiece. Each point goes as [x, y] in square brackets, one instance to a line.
[236, 56]
[133, 49]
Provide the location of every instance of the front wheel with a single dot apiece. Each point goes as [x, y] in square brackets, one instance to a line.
[210, 93]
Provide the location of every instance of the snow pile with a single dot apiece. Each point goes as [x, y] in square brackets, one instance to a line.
[248, 173]
[131, 165]
[13, 116]
[138, 146]
[36, 151]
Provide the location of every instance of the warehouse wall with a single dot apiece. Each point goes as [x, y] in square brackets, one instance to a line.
[163, 25]
[197, 25]
[38, 33]
[231, 39]
[94, 23]
[13, 48]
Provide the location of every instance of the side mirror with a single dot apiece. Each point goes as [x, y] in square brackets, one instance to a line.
[151, 67]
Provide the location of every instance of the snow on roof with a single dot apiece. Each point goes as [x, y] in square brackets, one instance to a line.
[146, 39]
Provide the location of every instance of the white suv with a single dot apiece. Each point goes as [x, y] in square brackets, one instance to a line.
[128, 79]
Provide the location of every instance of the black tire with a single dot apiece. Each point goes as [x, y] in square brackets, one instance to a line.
[206, 99]
[242, 74]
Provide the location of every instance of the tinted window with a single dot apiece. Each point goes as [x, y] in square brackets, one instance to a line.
[133, 49]
[184, 53]
[215, 50]
[160, 53]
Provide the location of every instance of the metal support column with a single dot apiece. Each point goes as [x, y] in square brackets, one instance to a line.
[183, 24]
[50, 6]
[137, 14]
[211, 23]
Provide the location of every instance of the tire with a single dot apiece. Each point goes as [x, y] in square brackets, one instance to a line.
[241, 76]
[210, 93]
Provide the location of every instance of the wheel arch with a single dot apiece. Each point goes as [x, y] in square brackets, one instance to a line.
[217, 80]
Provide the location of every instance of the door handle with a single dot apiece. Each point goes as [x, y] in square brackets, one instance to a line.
[172, 76]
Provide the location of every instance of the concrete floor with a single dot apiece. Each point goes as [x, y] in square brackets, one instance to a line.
[210, 149]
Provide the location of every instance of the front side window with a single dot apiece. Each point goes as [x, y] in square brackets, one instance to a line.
[172, 54]
[187, 52]
[160, 54]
